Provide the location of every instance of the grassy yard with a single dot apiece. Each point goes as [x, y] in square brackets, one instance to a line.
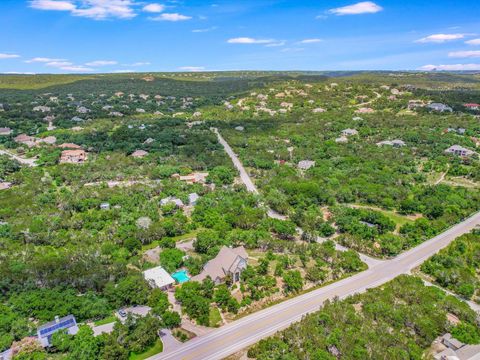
[107, 320]
[155, 349]
[215, 318]
[394, 216]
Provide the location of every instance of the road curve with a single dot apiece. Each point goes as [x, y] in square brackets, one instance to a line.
[250, 329]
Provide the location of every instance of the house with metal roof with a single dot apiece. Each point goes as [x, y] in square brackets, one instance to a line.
[158, 277]
[45, 332]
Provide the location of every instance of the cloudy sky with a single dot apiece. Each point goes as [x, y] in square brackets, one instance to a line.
[81, 36]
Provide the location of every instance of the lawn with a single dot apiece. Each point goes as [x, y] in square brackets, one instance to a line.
[155, 349]
[107, 320]
[215, 318]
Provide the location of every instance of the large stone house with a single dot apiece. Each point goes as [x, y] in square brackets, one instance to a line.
[229, 262]
[73, 156]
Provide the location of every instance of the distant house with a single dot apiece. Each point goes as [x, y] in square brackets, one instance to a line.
[73, 156]
[395, 143]
[25, 140]
[171, 200]
[192, 199]
[139, 154]
[239, 128]
[194, 178]
[42, 109]
[229, 262]
[83, 110]
[439, 107]
[45, 332]
[77, 119]
[104, 206]
[5, 185]
[69, 146]
[305, 164]
[349, 132]
[5, 131]
[48, 140]
[456, 350]
[159, 278]
[459, 151]
[364, 110]
[318, 110]
[472, 106]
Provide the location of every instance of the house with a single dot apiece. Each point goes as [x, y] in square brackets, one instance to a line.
[318, 110]
[45, 332]
[459, 151]
[5, 185]
[73, 156]
[456, 350]
[50, 140]
[341, 139]
[43, 109]
[413, 104]
[171, 200]
[159, 278]
[139, 154]
[305, 164]
[192, 199]
[349, 132]
[5, 131]
[229, 262]
[364, 110]
[439, 107]
[194, 178]
[105, 206]
[83, 110]
[77, 119]
[395, 143]
[25, 140]
[239, 128]
[69, 146]
[472, 106]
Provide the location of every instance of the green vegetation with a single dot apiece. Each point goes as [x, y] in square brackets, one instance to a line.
[214, 318]
[396, 321]
[456, 266]
[155, 349]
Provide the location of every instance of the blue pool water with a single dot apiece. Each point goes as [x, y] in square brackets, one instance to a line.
[181, 276]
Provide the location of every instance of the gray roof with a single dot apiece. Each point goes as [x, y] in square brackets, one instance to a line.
[226, 261]
[53, 326]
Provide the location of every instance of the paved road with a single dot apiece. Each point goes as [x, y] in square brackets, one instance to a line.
[243, 173]
[250, 329]
[239, 334]
[21, 160]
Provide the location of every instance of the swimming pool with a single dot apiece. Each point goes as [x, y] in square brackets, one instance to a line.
[181, 276]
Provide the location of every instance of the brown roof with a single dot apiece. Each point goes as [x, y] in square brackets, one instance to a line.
[226, 261]
[69, 146]
[24, 138]
[139, 153]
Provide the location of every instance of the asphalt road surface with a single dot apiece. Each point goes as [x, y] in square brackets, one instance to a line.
[247, 331]
[242, 333]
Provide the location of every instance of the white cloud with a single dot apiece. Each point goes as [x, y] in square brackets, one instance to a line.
[364, 7]
[451, 67]
[310, 41]
[77, 68]
[473, 42]
[101, 63]
[154, 8]
[42, 60]
[94, 9]
[9, 56]
[59, 64]
[192, 68]
[18, 73]
[53, 5]
[248, 40]
[204, 30]
[464, 54]
[122, 71]
[171, 17]
[440, 38]
[139, 63]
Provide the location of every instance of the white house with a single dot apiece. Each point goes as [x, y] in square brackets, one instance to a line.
[158, 277]
[305, 164]
[459, 151]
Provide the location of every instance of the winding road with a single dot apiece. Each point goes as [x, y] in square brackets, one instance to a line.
[242, 333]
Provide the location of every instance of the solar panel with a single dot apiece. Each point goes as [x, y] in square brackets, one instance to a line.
[61, 325]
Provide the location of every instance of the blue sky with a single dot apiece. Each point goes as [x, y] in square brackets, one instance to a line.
[81, 36]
